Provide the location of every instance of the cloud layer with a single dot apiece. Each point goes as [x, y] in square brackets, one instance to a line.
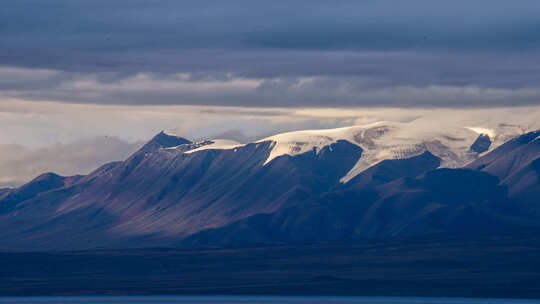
[263, 53]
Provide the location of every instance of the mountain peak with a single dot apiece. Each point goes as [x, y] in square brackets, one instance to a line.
[48, 176]
[481, 144]
[165, 139]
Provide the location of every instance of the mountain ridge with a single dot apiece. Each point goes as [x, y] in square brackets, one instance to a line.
[174, 192]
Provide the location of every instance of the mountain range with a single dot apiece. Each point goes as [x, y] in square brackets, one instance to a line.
[305, 186]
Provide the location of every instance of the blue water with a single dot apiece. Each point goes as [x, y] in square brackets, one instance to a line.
[251, 300]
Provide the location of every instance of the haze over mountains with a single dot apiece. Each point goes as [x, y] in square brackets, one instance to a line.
[367, 181]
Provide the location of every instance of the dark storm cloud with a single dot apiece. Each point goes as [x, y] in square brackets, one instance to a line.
[350, 46]
[382, 25]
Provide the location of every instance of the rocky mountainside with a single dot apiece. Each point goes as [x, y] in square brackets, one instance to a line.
[355, 182]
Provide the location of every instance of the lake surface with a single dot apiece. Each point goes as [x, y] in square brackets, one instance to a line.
[251, 300]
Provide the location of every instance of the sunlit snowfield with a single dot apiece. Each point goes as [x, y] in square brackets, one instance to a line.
[254, 300]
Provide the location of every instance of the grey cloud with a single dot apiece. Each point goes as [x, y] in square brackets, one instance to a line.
[356, 47]
[104, 35]
[125, 24]
[335, 91]
[20, 164]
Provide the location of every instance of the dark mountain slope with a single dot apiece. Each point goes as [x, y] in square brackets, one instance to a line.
[510, 157]
[524, 188]
[389, 170]
[42, 183]
[517, 163]
[444, 200]
[161, 195]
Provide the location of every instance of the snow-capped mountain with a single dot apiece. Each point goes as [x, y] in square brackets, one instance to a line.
[456, 146]
[380, 179]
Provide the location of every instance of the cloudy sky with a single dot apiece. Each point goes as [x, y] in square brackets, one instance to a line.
[94, 79]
